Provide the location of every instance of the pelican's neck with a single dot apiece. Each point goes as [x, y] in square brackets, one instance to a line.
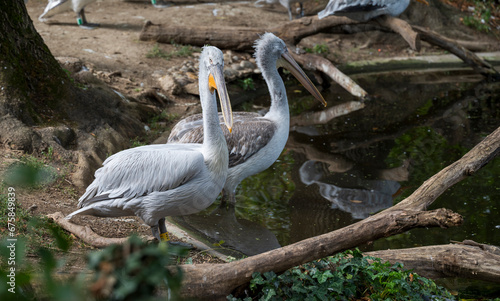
[279, 102]
[214, 143]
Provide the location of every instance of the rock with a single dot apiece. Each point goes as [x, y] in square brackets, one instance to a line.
[62, 135]
[170, 85]
[247, 65]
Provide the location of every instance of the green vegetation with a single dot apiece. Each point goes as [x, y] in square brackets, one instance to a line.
[346, 276]
[30, 172]
[246, 84]
[180, 51]
[318, 49]
[481, 18]
[133, 271]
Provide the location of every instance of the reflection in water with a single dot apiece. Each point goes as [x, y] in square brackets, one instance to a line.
[221, 227]
[356, 163]
[372, 196]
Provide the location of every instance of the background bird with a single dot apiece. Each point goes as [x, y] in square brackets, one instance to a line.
[285, 3]
[55, 7]
[256, 141]
[364, 10]
[155, 181]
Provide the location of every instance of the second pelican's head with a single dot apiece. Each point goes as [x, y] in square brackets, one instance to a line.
[213, 60]
[271, 51]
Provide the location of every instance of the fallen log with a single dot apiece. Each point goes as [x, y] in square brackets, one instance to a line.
[213, 281]
[85, 233]
[216, 281]
[292, 32]
[465, 260]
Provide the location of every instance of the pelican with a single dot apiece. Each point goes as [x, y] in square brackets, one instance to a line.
[364, 10]
[285, 3]
[155, 181]
[55, 7]
[257, 141]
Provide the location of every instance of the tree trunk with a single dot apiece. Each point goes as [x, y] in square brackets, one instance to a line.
[38, 99]
[32, 81]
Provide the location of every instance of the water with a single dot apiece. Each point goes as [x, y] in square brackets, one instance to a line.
[332, 175]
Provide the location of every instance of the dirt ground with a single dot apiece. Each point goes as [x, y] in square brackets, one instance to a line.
[114, 53]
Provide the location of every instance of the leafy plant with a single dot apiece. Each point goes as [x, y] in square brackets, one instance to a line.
[346, 276]
[247, 84]
[134, 270]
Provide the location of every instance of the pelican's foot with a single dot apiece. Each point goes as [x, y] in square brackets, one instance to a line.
[160, 3]
[86, 25]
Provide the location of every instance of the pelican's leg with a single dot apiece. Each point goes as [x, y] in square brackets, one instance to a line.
[163, 230]
[165, 237]
[160, 3]
[301, 15]
[156, 232]
[228, 199]
[290, 13]
[82, 21]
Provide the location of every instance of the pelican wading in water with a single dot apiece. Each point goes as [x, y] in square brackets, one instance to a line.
[155, 181]
[364, 10]
[256, 141]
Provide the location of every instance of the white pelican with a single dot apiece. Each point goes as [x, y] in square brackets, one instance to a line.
[364, 10]
[155, 181]
[256, 141]
[285, 3]
[55, 7]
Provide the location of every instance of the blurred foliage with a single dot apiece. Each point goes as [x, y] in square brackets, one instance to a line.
[132, 271]
[247, 84]
[136, 270]
[36, 231]
[29, 172]
[345, 276]
[483, 16]
[264, 197]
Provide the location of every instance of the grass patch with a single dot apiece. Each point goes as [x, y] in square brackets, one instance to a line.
[180, 51]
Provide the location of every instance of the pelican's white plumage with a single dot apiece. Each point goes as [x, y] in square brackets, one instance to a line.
[155, 181]
[286, 4]
[55, 7]
[364, 10]
[256, 141]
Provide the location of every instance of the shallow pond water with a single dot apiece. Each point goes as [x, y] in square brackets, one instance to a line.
[334, 174]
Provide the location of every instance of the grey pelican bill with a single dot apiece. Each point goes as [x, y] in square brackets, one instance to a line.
[256, 141]
[155, 181]
[55, 7]
[364, 10]
[286, 4]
